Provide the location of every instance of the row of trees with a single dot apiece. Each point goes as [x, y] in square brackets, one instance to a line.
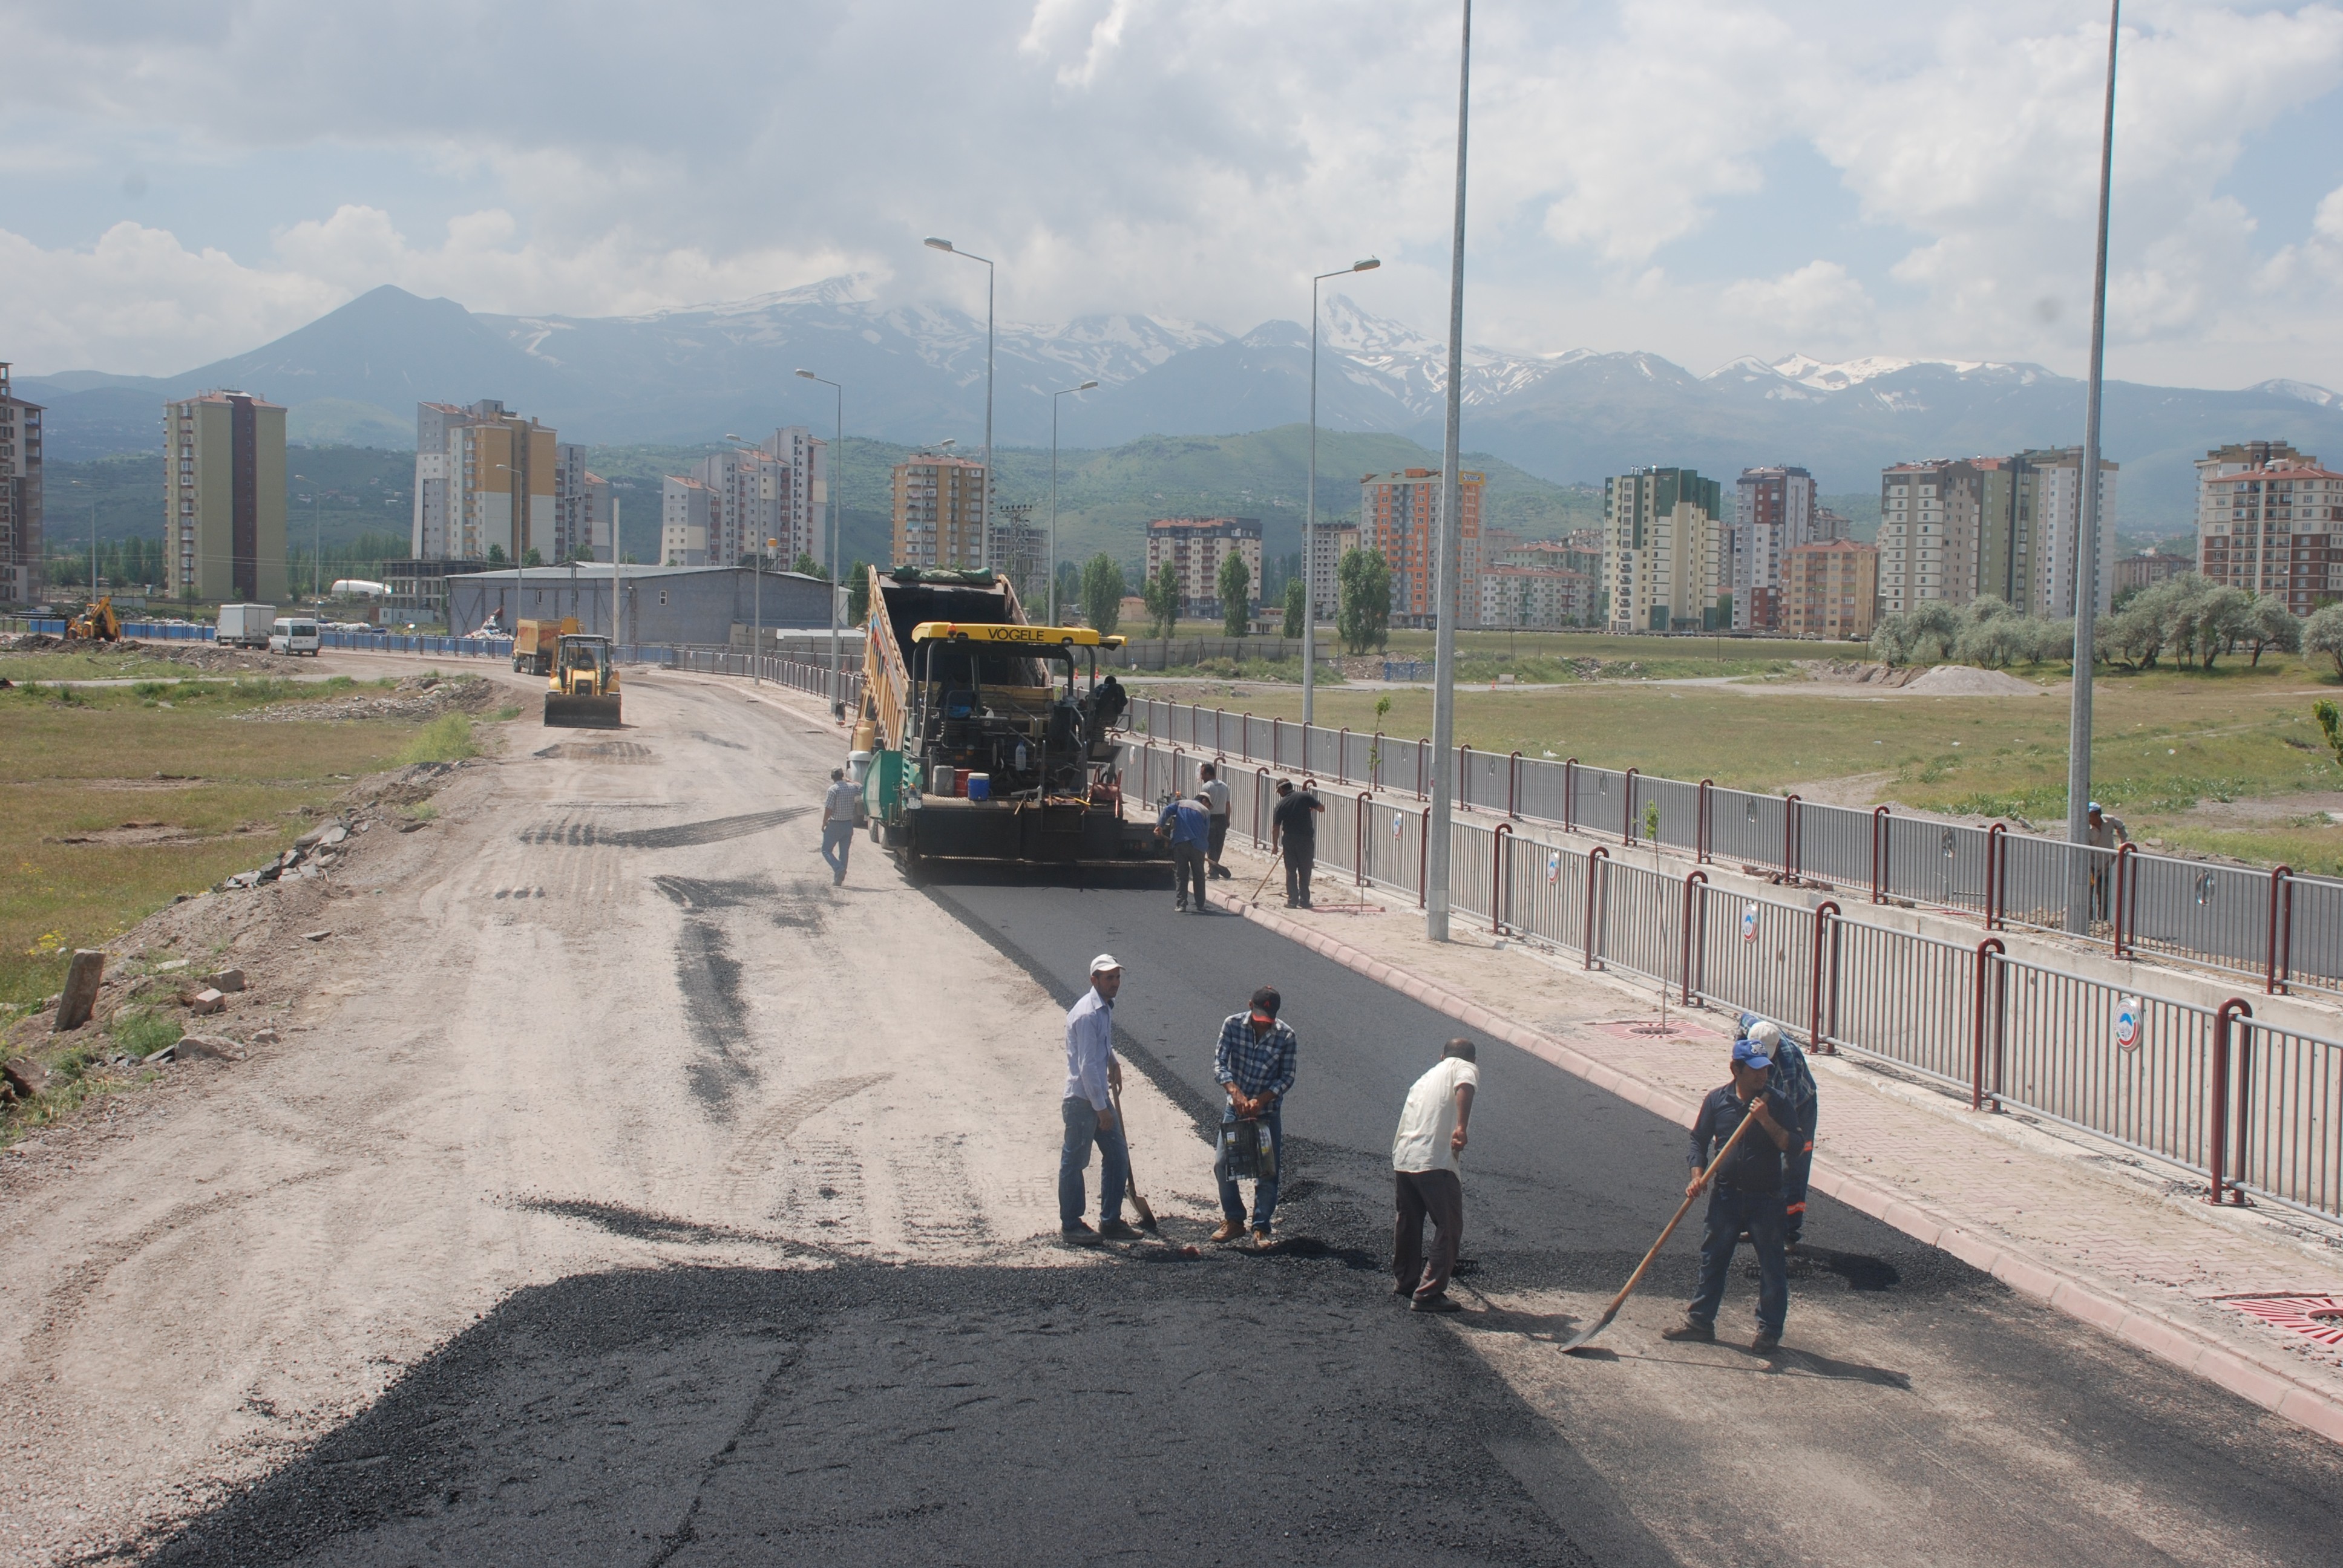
[2188, 620]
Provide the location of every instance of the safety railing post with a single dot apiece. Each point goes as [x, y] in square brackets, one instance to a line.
[1700, 855]
[1514, 786]
[1463, 776]
[1244, 736]
[1276, 742]
[1825, 912]
[1997, 874]
[1879, 854]
[2273, 973]
[1375, 761]
[1691, 879]
[1422, 859]
[1359, 850]
[1423, 752]
[2225, 1024]
[1586, 932]
[1790, 804]
[1985, 950]
[1260, 802]
[1343, 756]
[1628, 828]
[2119, 910]
[1569, 795]
[1497, 877]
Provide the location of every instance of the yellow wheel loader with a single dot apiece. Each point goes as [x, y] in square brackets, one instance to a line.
[98, 623]
[583, 692]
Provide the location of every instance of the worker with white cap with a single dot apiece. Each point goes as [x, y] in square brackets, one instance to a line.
[1093, 1076]
[1796, 1080]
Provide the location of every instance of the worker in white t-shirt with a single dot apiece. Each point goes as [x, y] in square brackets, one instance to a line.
[1425, 1167]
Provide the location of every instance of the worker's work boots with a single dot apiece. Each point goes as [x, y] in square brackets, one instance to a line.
[1230, 1231]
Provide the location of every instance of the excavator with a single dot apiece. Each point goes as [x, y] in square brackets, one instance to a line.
[583, 692]
[98, 623]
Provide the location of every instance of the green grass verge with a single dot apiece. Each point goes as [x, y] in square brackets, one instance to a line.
[446, 738]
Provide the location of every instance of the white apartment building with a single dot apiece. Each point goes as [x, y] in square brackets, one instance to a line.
[581, 506]
[801, 518]
[1195, 547]
[1333, 541]
[685, 508]
[1928, 534]
[2057, 519]
[1667, 554]
[1535, 598]
[484, 480]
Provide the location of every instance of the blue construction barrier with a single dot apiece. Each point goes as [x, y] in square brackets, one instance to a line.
[162, 631]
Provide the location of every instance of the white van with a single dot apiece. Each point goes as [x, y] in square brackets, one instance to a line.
[290, 635]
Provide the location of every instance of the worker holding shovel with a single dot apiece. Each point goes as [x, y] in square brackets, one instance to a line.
[1744, 1195]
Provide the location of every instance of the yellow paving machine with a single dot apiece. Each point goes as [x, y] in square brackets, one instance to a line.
[583, 692]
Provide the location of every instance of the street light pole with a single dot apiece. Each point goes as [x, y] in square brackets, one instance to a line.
[1309, 517]
[1449, 593]
[837, 457]
[1053, 492]
[985, 539]
[317, 538]
[2086, 531]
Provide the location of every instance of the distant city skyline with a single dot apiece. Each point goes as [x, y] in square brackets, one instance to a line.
[1828, 177]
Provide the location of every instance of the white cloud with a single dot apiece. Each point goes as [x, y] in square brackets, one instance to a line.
[1818, 303]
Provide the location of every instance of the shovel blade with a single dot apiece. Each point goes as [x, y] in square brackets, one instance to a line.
[1579, 1340]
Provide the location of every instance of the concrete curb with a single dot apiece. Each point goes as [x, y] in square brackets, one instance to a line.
[2266, 1382]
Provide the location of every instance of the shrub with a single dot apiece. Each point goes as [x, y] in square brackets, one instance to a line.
[144, 1032]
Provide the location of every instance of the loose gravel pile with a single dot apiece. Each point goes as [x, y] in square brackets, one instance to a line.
[418, 697]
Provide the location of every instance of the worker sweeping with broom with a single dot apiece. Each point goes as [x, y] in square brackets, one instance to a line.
[1744, 1195]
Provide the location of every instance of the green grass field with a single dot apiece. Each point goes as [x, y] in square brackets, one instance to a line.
[107, 666]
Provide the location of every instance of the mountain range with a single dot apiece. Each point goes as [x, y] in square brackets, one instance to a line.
[915, 374]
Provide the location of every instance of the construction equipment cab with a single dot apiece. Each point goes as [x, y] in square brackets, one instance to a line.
[583, 692]
[98, 623]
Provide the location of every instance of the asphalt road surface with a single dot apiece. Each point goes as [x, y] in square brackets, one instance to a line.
[829, 1408]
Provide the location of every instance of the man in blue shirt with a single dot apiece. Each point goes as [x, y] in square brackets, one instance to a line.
[1745, 1193]
[1796, 1080]
[1189, 825]
[1253, 1064]
[1092, 1075]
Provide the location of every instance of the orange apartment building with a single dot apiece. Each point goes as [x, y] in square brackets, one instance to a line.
[1831, 590]
[1399, 518]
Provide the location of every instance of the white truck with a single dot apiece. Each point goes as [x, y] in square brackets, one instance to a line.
[245, 625]
[294, 635]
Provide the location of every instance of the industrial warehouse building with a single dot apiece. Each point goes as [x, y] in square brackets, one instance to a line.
[697, 606]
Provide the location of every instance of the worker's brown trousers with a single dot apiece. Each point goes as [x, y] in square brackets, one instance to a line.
[1439, 1196]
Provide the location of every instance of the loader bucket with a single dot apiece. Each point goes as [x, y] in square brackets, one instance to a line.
[581, 712]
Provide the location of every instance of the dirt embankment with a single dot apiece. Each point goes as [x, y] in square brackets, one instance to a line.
[418, 697]
[202, 656]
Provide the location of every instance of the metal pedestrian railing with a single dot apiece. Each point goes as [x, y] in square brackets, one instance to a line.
[2253, 1108]
[2282, 929]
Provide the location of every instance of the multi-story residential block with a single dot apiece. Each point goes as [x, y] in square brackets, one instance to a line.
[1196, 546]
[1830, 525]
[1021, 549]
[802, 522]
[1952, 530]
[2236, 457]
[1830, 588]
[581, 506]
[1581, 553]
[20, 494]
[1666, 559]
[1534, 598]
[485, 481]
[1772, 513]
[940, 512]
[686, 509]
[2058, 480]
[1929, 534]
[1399, 515]
[224, 497]
[1333, 541]
[2275, 529]
[2149, 567]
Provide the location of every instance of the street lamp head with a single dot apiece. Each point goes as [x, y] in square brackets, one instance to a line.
[934, 244]
[1085, 385]
[808, 375]
[730, 436]
[1367, 266]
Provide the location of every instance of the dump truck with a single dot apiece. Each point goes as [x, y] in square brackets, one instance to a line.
[986, 737]
[535, 640]
[98, 623]
[583, 690]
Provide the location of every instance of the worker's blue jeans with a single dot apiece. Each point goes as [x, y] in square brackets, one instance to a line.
[1731, 1211]
[1082, 1130]
[1265, 1193]
[837, 841]
[1797, 1170]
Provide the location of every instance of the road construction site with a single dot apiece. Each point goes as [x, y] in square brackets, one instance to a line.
[614, 1187]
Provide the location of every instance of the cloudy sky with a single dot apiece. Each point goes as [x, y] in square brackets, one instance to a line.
[1702, 178]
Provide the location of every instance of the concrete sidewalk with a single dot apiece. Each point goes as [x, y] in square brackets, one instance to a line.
[2116, 1238]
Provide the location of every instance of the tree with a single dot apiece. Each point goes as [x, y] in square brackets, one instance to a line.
[1297, 607]
[1161, 594]
[2269, 624]
[1362, 590]
[1236, 595]
[806, 566]
[2221, 616]
[2331, 724]
[2323, 633]
[1102, 591]
[858, 593]
[495, 555]
[532, 558]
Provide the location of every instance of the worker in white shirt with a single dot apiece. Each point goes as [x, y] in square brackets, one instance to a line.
[1427, 1173]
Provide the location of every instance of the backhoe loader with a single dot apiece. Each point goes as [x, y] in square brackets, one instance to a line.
[583, 692]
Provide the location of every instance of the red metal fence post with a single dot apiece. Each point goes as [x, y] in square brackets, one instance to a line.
[1422, 855]
[1823, 912]
[1497, 877]
[1997, 870]
[2125, 856]
[1586, 933]
[2275, 969]
[1690, 877]
[1627, 834]
[1700, 856]
[2217, 1164]
[1879, 854]
[1991, 945]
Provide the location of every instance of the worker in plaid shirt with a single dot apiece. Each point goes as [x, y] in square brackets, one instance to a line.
[1254, 1063]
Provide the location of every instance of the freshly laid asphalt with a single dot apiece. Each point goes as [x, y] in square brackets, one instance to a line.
[1287, 1408]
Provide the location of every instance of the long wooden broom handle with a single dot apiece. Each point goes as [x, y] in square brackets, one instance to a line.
[1705, 1177]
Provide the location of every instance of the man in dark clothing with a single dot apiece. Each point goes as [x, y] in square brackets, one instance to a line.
[1293, 829]
[1745, 1193]
[1189, 825]
[1107, 704]
[1796, 1081]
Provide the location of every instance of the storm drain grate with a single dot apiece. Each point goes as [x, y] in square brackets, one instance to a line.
[2317, 1318]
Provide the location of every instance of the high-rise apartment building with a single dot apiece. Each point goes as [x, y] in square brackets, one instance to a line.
[1399, 516]
[2275, 529]
[1993, 528]
[20, 494]
[2057, 482]
[1323, 570]
[484, 480]
[940, 512]
[1929, 534]
[1195, 547]
[1831, 589]
[1773, 513]
[802, 522]
[1667, 561]
[1830, 525]
[2149, 567]
[687, 522]
[224, 497]
[581, 506]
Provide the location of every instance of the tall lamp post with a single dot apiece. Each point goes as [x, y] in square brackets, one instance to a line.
[2086, 531]
[984, 539]
[1061, 392]
[1309, 517]
[317, 538]
[1449, 592]
[837, 457]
